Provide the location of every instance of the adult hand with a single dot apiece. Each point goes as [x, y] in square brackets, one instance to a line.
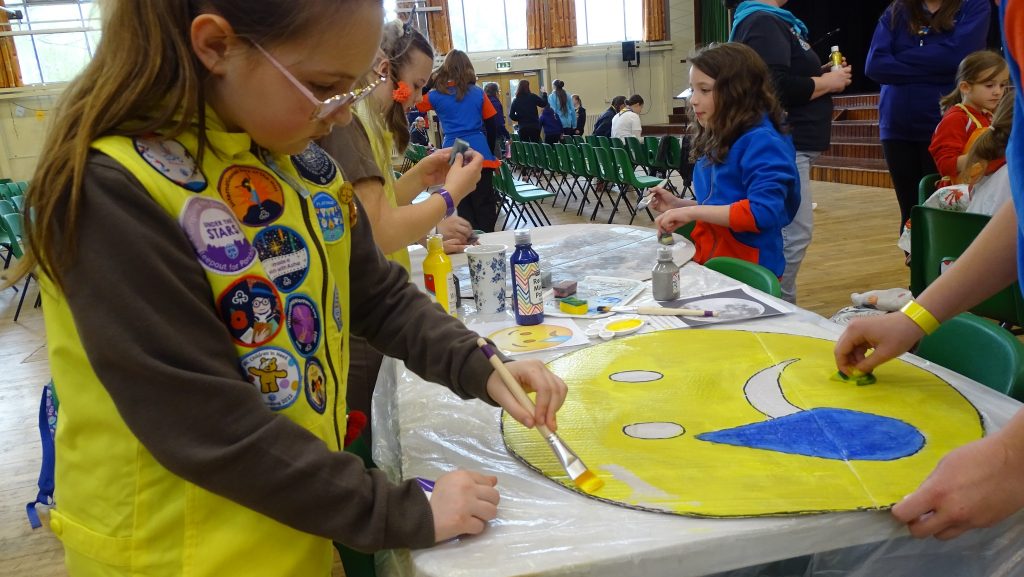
[463, 175]
[838, 80]
[828, 65]
[462, 503]
[889, 335]
[977, 485]
[533, 376]
[671, 220]
[664, 199]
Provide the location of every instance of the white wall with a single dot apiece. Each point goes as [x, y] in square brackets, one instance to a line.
[24, 118]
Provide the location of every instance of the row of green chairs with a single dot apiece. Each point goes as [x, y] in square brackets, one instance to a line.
[521, 200]
[11, 236]
[10, 190]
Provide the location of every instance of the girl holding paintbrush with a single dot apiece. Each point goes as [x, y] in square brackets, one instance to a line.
[745, 180]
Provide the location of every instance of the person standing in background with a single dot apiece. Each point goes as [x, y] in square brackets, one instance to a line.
[627, 121]
[523, 111]
[562, 102]
[805, 92]
[581, 114]
[914, 55]
[501, 131]
[603, 124]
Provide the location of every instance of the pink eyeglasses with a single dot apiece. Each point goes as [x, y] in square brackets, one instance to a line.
[323, 108]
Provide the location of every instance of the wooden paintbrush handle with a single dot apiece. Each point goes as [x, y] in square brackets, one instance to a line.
[669, 312]
[513, 386]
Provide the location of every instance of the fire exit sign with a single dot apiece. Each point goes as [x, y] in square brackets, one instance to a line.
[503, 65]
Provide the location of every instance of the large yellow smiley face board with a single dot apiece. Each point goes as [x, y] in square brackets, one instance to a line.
[736, 423]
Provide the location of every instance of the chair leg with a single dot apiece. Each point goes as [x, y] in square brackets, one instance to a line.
[21, 301]
[543, 214]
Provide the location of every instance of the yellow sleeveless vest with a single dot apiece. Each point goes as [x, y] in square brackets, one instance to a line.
[277, 264]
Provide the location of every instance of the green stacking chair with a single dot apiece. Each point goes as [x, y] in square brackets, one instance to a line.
[747, 273]
[638, 153]
[926, 187]
[523, 204]
[594, 167]
[617, 142]
[980, 350]
[616, 174]
[565, 169]
[554, 168]
[577, 139]
[11, 227]
[687, 231]
[591, 140]
[639, 183]
[580, 171]
[604, 142]
[937, 238]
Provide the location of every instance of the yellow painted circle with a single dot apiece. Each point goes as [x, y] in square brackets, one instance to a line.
[647, 413]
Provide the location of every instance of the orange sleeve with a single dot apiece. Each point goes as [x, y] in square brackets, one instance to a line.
[741, 218]
[488, 110]
[424, 105]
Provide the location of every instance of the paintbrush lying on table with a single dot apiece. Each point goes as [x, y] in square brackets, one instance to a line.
[638, 310]
[573, 465]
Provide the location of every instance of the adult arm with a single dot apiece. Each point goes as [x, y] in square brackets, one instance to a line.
[513, 111]
[156, 353]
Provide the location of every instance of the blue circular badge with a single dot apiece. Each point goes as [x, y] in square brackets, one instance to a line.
[216, 236]
[172, 160]
[303, 321]
[316, 385]
[284, 256]
[251, 309]
[330, 217]
[276, 374]
[315, 165]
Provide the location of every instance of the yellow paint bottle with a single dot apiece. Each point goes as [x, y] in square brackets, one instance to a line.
[437, 275]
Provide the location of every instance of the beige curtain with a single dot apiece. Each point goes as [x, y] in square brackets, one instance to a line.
[440, 27]
[10, 71]
[654, 20]
[550, 24]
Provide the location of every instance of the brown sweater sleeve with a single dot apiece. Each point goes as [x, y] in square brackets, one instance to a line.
[349, 146]
[143, 309]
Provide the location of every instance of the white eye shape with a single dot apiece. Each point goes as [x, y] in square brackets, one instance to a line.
[636, 376]
[658, 430]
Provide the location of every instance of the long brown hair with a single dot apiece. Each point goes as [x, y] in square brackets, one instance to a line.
[523, 88]
[399, 44]
[458, 72]
[743, 96]
[970, 71]
[143, 78]
[918, 18]
[560, 94]
[991, 144]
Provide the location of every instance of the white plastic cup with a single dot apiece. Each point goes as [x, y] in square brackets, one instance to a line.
[488, 268]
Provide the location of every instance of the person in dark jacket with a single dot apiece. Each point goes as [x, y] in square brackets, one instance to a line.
[603, 125]
[914, 55]
[418, 132]
[804, 91]
[552, 125]
[581, 114]
[494, 95]
[524, 111]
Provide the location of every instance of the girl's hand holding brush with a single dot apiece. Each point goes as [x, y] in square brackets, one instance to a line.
[534, 376]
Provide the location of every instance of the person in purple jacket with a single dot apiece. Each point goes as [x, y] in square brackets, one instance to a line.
[914, 55]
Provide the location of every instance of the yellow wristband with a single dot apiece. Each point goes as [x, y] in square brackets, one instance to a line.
[921, 317]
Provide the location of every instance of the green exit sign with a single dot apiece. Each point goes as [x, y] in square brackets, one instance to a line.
[503, 65]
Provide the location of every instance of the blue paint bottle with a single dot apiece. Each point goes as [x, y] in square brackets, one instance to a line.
[527, 294]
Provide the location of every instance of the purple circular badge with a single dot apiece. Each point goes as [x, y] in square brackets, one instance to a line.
[216, 236]
[171, 159]
[275, 374]
[303, 321]
[314, 165]
[329, 216]
[284, 256]
[316, 385]
[251, 309]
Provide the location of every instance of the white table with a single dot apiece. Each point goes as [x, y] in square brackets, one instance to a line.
[544, 529]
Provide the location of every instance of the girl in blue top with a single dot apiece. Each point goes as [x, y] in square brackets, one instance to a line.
[914, 55]
[745, 180]
[561, 102]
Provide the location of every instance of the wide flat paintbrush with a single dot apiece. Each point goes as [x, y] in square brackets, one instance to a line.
[663, 311]
[573, 465]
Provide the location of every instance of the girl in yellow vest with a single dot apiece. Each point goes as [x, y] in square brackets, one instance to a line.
[200, 426]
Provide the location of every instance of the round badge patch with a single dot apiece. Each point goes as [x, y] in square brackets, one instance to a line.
[316, 385]
[284, 256]
[254, 195]
[251, 309]
[216, 236]
[171, 159]
[336, 309]
[303, 322]
[328, 214]
[314, 165]
[276, 374]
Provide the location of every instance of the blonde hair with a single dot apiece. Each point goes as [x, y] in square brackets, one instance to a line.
[143, 79]
[399, 43]
[991, 143]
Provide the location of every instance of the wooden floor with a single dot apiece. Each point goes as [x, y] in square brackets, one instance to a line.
[854, 250]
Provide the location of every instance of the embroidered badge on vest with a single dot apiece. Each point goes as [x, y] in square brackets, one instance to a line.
[251, 309]
[316, 385]
[254, 195]
[314, 165]
[172, 160]
[336, 309]
[284, 256]
[216, 236]
[303, 322]
[347, 196]
[329, 216]
[275, 373]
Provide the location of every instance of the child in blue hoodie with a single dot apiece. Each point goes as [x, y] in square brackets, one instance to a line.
[551, 124]
[745, 180]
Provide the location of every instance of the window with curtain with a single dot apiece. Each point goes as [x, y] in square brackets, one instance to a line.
[601, 21]
[56, 39]
[493, 25]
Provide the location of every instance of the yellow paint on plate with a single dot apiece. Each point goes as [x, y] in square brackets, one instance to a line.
[625, 325]
[647, 414]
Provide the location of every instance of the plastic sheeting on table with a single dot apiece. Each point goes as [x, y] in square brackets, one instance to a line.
[544, 529]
